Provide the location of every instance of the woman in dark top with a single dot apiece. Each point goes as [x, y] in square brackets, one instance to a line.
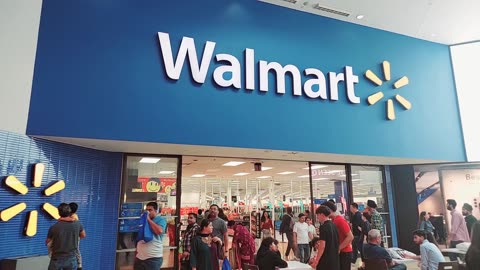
[203, 248]
[472, 258]
[268, 256]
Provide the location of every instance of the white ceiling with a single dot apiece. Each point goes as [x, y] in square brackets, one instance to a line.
[217, 151]
[215, 178]
[447, 22]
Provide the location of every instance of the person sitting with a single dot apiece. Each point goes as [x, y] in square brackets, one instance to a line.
[373, 251]
[430, 255]
[268, 257]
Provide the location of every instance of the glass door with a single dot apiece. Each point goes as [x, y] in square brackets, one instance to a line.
[329, 182]
[368, 185]
[147, 179]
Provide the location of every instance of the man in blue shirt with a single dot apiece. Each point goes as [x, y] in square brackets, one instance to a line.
[150, 254]
[430, 255]
[373, 251]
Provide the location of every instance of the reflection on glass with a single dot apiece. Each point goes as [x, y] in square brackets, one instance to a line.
[367, 184]
[146, 179]
[329, 183]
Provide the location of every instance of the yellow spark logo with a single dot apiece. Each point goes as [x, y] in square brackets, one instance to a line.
[12, 182]
[372, 99]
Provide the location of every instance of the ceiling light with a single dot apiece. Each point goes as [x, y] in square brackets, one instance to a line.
[356, 180]
[304, 176]
[359, 17]
[285, 173]
[149, 160]
[335, 171]
[198, 175]
[166, 172]
[263, 177]
[316, 167]
[320, 179]
[266, 168]
[233, 163]
[241, 173]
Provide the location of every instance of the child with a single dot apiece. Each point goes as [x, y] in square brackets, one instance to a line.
[74, 216]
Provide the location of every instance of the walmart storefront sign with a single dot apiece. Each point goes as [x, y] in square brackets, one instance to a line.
[315, 87]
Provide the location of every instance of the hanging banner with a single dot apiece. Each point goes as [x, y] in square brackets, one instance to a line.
[159, 185]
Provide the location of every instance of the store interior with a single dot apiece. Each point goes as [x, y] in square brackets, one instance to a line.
[243, 188]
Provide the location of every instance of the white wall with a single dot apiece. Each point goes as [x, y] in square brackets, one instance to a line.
[433, 204]
[19, 23]
[464, 187]
[466, 60]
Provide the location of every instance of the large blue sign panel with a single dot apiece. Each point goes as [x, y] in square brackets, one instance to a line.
[240, 73]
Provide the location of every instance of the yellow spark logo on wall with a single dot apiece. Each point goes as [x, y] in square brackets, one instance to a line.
[372, 99]
[12, 182]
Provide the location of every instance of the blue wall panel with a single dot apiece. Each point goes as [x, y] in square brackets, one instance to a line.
[92, 180]
[99, 65]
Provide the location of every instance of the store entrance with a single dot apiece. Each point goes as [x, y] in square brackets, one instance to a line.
[246, 190]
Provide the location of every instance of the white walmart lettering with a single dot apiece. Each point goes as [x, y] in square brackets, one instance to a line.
[230, 64]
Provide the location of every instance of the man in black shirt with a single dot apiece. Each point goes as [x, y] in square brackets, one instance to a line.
[286, 227]
[469, 218]
[64, 236]
[357, 242]
[327, 249]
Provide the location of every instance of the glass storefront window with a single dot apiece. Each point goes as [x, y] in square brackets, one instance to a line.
[368, 184]
[329, 183]
[147, 179]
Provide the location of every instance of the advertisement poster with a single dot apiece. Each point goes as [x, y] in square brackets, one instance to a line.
[159, 185]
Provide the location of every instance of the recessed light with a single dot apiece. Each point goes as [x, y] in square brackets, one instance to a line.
[266, 168]
[263, 177]
[320, 179]
[149, 160]
[241, 174]
[166, 172]
[233, 163]
[304, 176]
[285, 173]
[316, 167]
[360, 16]
[198, 175]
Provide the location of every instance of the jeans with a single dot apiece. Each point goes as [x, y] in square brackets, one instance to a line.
[304, 252]
[345, 260]
[290, 243]
[63, 263]
[148, 264]
[357, 245]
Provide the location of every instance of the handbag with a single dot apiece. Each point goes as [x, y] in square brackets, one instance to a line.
[145, 232]
[226, 265]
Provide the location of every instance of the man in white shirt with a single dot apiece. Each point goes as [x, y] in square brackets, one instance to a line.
[301, 239]
[430, 255]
